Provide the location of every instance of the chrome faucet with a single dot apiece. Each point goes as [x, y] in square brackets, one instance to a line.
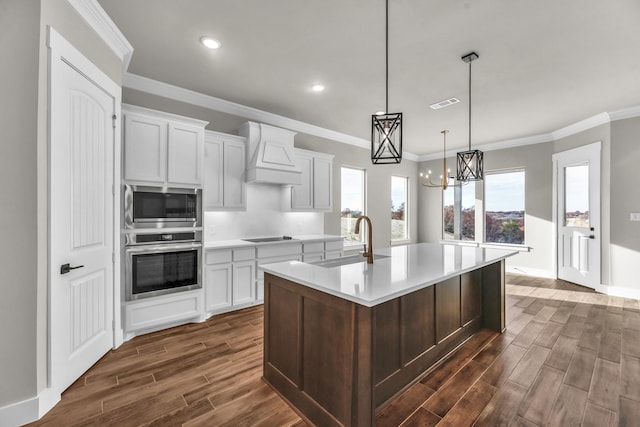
[368, 253]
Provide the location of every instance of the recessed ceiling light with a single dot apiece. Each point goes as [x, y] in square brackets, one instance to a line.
[318, 88]
[444, 103]
[209, 42]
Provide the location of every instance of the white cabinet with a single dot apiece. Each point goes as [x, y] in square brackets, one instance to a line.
[156, 313]
[315, 192]
[244, 277]
[185, 154]
[333, 249]
[279, 252]
[312, 251]
[224, 172]
[230, 277]
[218, 287]
[162, 148]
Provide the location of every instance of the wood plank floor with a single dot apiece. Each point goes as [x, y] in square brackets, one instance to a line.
[570, 356]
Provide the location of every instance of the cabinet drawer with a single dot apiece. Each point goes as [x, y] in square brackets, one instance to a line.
[333, 245]
[280, 249]
[218, 256]
[244, 254]
[332, 255]
[313, 247]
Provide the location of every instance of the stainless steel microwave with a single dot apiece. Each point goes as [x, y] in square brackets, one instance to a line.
[162, 207]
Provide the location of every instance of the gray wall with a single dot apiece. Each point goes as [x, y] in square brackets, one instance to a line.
[536, 161]
[625, 198]
[24, 183]
[19, 29]
[378, 177]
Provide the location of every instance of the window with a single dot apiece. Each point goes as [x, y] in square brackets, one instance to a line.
[399, 186]
[459, 212]
[576, 190]
[352, 203]
[504, 207]
[448, 214]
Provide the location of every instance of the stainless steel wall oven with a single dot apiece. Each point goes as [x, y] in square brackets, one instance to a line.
[163, 263]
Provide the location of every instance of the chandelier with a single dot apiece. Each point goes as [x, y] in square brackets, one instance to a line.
[446, 180]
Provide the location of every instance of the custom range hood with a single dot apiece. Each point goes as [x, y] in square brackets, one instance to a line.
[270, 157]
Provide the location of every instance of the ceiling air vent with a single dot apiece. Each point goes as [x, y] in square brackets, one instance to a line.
[444, 103]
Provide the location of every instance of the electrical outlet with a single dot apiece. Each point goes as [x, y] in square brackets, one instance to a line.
[211, 231]
[634, 216]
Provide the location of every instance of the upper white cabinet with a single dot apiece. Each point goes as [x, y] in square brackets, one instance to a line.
[315, 192]
[162, 148]
[224, 172]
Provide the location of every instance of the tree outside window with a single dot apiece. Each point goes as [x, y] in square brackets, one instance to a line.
[458, 212]
[399, 225]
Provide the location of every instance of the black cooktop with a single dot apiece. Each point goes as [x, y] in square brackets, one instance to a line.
[269, 239]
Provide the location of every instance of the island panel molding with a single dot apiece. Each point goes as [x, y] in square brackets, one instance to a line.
[337, 361]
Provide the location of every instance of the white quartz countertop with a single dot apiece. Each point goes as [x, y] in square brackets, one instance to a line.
[230, 244]
[407, 269]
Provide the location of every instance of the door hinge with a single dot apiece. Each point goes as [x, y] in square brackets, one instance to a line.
[113, 257]
[114, 117]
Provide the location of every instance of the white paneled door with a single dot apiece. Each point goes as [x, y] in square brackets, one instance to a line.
[577, 177]
[81, 222]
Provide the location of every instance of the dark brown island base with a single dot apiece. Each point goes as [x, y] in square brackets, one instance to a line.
[337, 361]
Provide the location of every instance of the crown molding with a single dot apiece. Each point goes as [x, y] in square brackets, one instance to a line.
[95, 16]
[500, 145]
[154, 87]
[625, 113]
[581, 126]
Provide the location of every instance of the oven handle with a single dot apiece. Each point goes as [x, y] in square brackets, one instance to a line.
[163, 247]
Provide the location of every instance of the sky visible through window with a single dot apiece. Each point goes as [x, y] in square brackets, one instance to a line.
[504, 192]
[577, 188]
[352, 187]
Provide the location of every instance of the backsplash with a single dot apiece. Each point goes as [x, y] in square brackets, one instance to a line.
[264, 217]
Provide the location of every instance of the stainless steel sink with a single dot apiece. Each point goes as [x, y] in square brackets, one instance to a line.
[337, 262]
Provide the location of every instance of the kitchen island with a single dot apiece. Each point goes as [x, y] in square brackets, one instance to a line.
[343, 337]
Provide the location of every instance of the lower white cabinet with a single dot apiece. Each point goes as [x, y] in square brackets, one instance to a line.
[218, 287]
[244, 276]
[229, 278]
[160, 312]
[278, 252]
[232, 276]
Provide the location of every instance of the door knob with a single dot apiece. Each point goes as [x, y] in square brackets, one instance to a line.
[65, 268]
[592, 236]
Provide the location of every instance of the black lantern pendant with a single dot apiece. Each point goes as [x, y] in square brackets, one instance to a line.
[386, 128]
[470, 167]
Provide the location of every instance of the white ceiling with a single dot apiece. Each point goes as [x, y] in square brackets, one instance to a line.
[544, 64]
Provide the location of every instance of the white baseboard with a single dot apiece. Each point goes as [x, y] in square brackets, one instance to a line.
[615, 291]
[618, 291]
[528, 271]
[29, 410]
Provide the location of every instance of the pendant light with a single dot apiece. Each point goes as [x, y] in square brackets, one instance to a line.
[470, 167]
[446, 179]
[386, 128]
